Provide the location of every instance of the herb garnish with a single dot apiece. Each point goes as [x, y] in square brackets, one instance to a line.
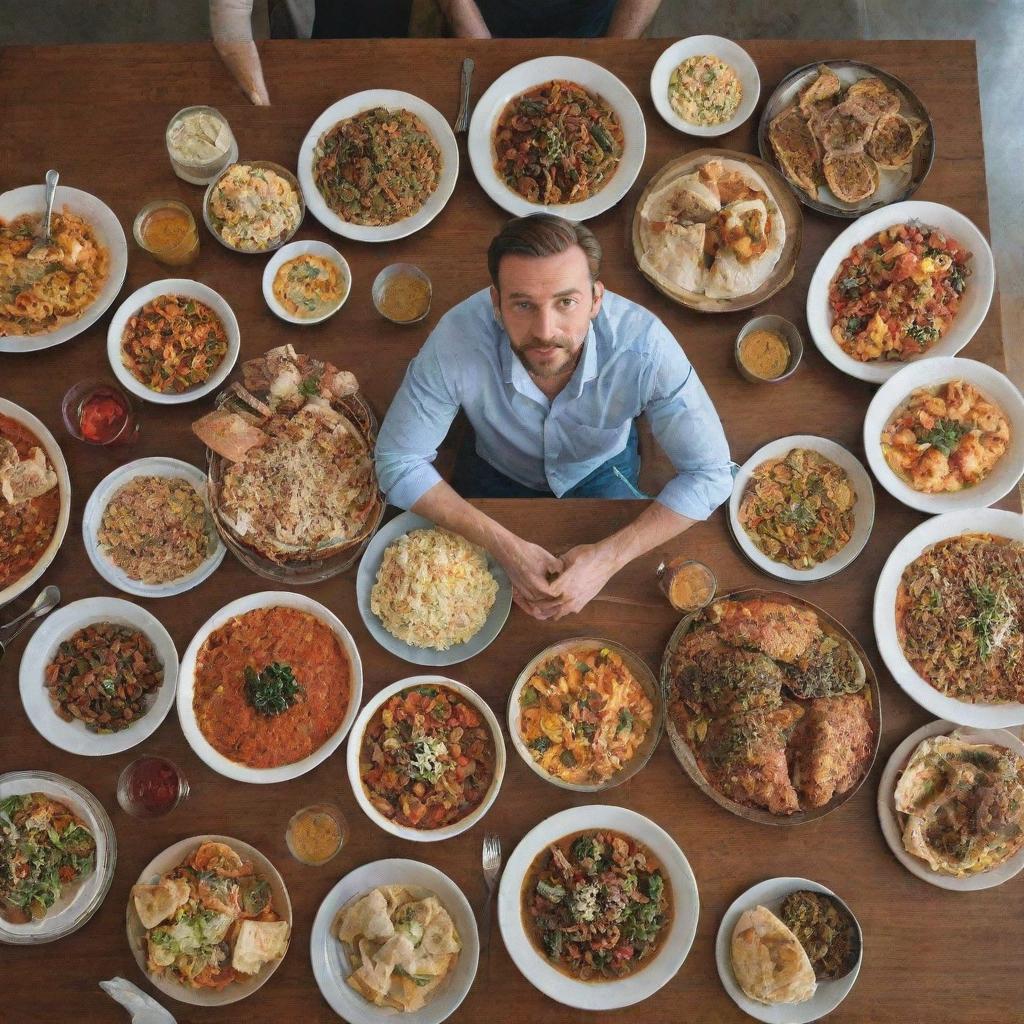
[310, 387]
[945, 435]
[992, 618]
[272, 691]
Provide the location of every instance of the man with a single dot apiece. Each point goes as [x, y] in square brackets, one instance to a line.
[552, 371]
[501, 19]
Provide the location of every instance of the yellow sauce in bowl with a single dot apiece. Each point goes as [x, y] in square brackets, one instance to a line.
[309, 286]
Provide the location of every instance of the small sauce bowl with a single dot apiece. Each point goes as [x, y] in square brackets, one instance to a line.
[780, 325]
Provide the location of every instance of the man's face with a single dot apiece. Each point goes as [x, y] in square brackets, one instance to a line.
[546, 304]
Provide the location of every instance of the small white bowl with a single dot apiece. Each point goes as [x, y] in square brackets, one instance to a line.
[74, 736]
[419, 835]
[976, 299]
[93, 517]
[712, 46]
[289, 252]
[212, 757]
[788, 330]
[186, 289]
[245, 984]
[929, 373]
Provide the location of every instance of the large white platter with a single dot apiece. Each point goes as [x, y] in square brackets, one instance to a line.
[367, 576]
[109, 233]
[594, 79]
[973, 306]
[975, 520]
[356, 104]
[331, 964]
[674, 947]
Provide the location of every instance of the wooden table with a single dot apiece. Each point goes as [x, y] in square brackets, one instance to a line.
[98, 113]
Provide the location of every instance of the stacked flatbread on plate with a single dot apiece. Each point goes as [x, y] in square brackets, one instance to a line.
[714, 231]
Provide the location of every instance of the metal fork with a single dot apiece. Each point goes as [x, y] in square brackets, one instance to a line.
[491, 860]
[462, 119]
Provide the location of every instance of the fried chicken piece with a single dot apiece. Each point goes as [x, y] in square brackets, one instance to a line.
[832, 746]
[782, 631]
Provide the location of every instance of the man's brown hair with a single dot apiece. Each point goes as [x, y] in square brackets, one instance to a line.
[543, 234]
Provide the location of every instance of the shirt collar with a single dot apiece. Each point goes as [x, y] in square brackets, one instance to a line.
[513, 372]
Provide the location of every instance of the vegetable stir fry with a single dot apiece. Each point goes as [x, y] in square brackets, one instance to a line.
[427, 758]
[378, 167]
[597, 905]
[897, 293]
[583, 715]
[556, 143]
[173, 343]
[44, 848]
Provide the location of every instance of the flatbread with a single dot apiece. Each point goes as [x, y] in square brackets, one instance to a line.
[729, 276]
[851, 176]
[769, 963]
[258, 943]
[675, 256]
[796, 149]
[156, 903]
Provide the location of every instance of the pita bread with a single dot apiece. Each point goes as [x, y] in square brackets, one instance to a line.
[258, 943]
[675, 256]
[769, 963]
[685, 199]
[156, 903]
[730, 276]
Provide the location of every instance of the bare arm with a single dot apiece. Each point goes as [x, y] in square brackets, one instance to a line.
[631, 18]
[231, 26]
[464, 19]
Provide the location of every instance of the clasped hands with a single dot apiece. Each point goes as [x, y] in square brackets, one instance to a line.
[549, 587]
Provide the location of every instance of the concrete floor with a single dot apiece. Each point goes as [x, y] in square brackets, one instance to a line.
[996, 25]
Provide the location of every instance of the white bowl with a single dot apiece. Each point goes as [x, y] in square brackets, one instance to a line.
[74, 736]
[890, 823]
[366, 577]
[674, 947]
[863, 509]
[928, 373]
[289, 252]
[187, 289]
[420, 835]
[713, 46]
[827, 996]
[594, 79]
[974, 302]
[109, 233]
[79, 902]
[331, 966]
[950, 524]
[444, 139]
[186, 688]
[93, 517]
[167, 861]
[60, 467]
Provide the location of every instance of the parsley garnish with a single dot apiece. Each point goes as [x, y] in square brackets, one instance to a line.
[310, 387]
[625, 721]
[991, 619]
[945, 435]
[272, 691]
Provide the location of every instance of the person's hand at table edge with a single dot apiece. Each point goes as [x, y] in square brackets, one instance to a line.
[231, 27]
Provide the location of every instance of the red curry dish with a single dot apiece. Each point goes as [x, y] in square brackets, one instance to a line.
[427, 758]
[271, 687]
[29, 501]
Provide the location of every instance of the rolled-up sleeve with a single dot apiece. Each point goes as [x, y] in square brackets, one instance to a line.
[687, 427]
[415, 424]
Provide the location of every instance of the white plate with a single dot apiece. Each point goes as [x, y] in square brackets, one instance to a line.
[186, 688]
[890, 823]
[78, 903]
[170, 859]
[290, 252]
[974, 302]
[93, 517]
[109, 233]
[863, 509]
[356, 104]
[595, 79]
[331, 966]
[73, 736]
[698, 46]
[367, 576]
[827, 996]
[929, 373]
[420, 835]
[187, 289]
[604, 995]
[951, 524]
[60, 467]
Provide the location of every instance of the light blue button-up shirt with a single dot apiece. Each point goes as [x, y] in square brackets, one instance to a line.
[631, 366]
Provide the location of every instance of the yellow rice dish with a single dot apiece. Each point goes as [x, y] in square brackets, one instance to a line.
[433, 589]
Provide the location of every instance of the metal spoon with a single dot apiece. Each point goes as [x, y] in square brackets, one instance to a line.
[47, 600]
[44, 250]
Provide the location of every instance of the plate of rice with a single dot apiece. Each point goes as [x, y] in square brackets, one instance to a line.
[428, 595]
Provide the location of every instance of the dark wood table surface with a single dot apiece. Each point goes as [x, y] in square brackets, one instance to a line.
[98, 114]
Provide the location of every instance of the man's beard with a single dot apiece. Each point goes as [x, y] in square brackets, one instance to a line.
[551, 369]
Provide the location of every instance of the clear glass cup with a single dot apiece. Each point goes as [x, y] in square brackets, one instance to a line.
[167, 230]
[99, 412]
[196, 169]
[400, 275]
[325, 819]
[151, 787]
[688, 584]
